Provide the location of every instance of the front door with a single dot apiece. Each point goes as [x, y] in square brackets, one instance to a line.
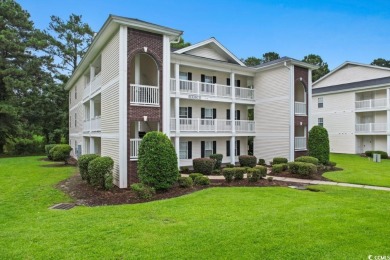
[367, 143]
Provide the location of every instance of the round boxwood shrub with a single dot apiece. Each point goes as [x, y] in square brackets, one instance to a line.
[157, 161]
[48, 147]
[253, 174]
[247, 160]
[83, 162]
[278, 168]
[228, 173]
[239, 173]
[218, 160]
[261, 162]
[194, 175]
[302, 168]
[60, 152]
[263, 170]
[100, 172]
[143, 191]
[318, 144]
[202, 180]
[307, 159]
[279, 160]
[185, 182]
[203, 165]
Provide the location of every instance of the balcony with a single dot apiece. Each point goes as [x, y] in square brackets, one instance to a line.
[143, 95]
[300, 143]
[92, 125]
[371, 104]
[134, 146]
[96, 83]
[213, 125]
[371, 128]
[300, 108]
[201, 90]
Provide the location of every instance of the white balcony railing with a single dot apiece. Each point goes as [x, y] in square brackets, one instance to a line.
[209, 89]
[96, 83]
[300, 143]
[212, 125]
[134, 146]
[92, 125]
[371, 128]
[371, 104]
[144, 95]
[300, 108]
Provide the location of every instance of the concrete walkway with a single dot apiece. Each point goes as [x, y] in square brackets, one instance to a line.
[304, 181]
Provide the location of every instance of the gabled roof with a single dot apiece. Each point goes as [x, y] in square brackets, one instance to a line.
[350, 63]
[286, 59]
[216, 46]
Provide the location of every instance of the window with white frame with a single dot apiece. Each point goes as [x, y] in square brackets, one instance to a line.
[320, 102]
[321, 121]
[183, 75]
[208, 148]
[183, 112]
[183, 150]
[208, 113]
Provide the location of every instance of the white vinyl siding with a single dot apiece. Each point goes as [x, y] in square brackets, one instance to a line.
[110, 147]
[207, 52]
[110, 60]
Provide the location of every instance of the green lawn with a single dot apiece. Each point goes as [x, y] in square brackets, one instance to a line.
[360, 170]
[227, 223]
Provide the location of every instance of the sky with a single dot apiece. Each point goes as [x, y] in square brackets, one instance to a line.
[338, 31]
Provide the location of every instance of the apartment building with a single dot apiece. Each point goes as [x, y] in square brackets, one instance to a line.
[202, 97]
[352, 103]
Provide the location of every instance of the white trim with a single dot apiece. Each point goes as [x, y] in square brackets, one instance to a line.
[166, 104]
[292, 115]
[309, 99]
[123, 107]
[357, 90]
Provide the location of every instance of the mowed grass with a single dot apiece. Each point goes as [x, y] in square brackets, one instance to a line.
[217, 223]
[360, 170]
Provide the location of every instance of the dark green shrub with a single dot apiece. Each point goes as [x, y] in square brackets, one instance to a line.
[185, 169]
[318, 144]
[157, 161]
[302, 168]
[247, 160]
[263, 170]
[201, 180]
[194, 175]
[229, 165]
[383, 154]
[278, 168]
[261, 162]
[185, 182]
[228, 173]
[25, 146]
[60, 152]
[48, 147]
[253, 174]
[83, 162]
[203, 165]
[331, 165]
[239, 173]
[307, 159]
[100, 172]
[216, 172]
[218, 160]
[143, 191]
[279, 160]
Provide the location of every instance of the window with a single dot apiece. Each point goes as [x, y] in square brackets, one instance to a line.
[183, 112]
[320, 102]
[185, 150]
[208, 86]
[236, 149]
[208, 113]
[320, 121]
[183, 75]
[75, 119]
[185, 78]
[208, 148]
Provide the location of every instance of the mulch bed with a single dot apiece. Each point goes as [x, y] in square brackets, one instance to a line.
[318, 176]
[85, 194]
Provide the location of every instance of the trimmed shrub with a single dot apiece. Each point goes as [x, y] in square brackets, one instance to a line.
[307, 159]
[143, 191]
[331, 165]
[185, 169]
[216, 172]
[194, 175]
[218, 160]
[239, 173]
[383, 154]
[318, 144]
[48, 147]
[60, 152]
[201, 180]
[278, 168]
[100, 172]
[279, 160]
[25, 146]
[157, 161]
[247, 160]
[185, 182]
[253, 174]
[203, 165]
[229, 165]
[302, 168]
[83, 162]
[263, 170]
[228, 173]
[261, 162]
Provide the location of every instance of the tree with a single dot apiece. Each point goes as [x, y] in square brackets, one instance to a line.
[266, 57]
[270, 56]
[70, 40]
[157, 161]
[251, 61]
[317, 60]
[381, 62]
[181, 44]
[318, 144]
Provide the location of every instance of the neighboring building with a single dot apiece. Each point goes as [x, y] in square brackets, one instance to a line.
[352, 103]
[130, 82]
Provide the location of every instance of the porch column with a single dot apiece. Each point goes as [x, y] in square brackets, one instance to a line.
[233, 119]
[91, 145]
[388, 144]
[177, 99]
[177, 148]
[91, 76]
[137, 69]
[233, 150]
[91, 114]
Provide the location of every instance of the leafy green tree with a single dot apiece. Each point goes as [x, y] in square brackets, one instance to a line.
[181, 44]
[318, 144]
[266, 57]
[270, 56]
[381, 62]
[251, 61]
[317, 60]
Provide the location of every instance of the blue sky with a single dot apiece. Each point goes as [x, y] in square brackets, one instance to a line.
[336, 30]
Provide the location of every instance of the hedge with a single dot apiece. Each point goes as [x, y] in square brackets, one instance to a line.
[100, 172]
[302, 168]
[383, 154]
[254, 174]
[228, 173]
[278, 168]
[247, 160]
[239, 173]
[83, 163]
[60, 152]
[143, 191]
[261, 162]
[203, 165]
[279, 160]
[218, 160]
[263, 170]
[48, 147]
[185, 182]
[318, 144]
[194, 175]
[307, 159]
[202, 180]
